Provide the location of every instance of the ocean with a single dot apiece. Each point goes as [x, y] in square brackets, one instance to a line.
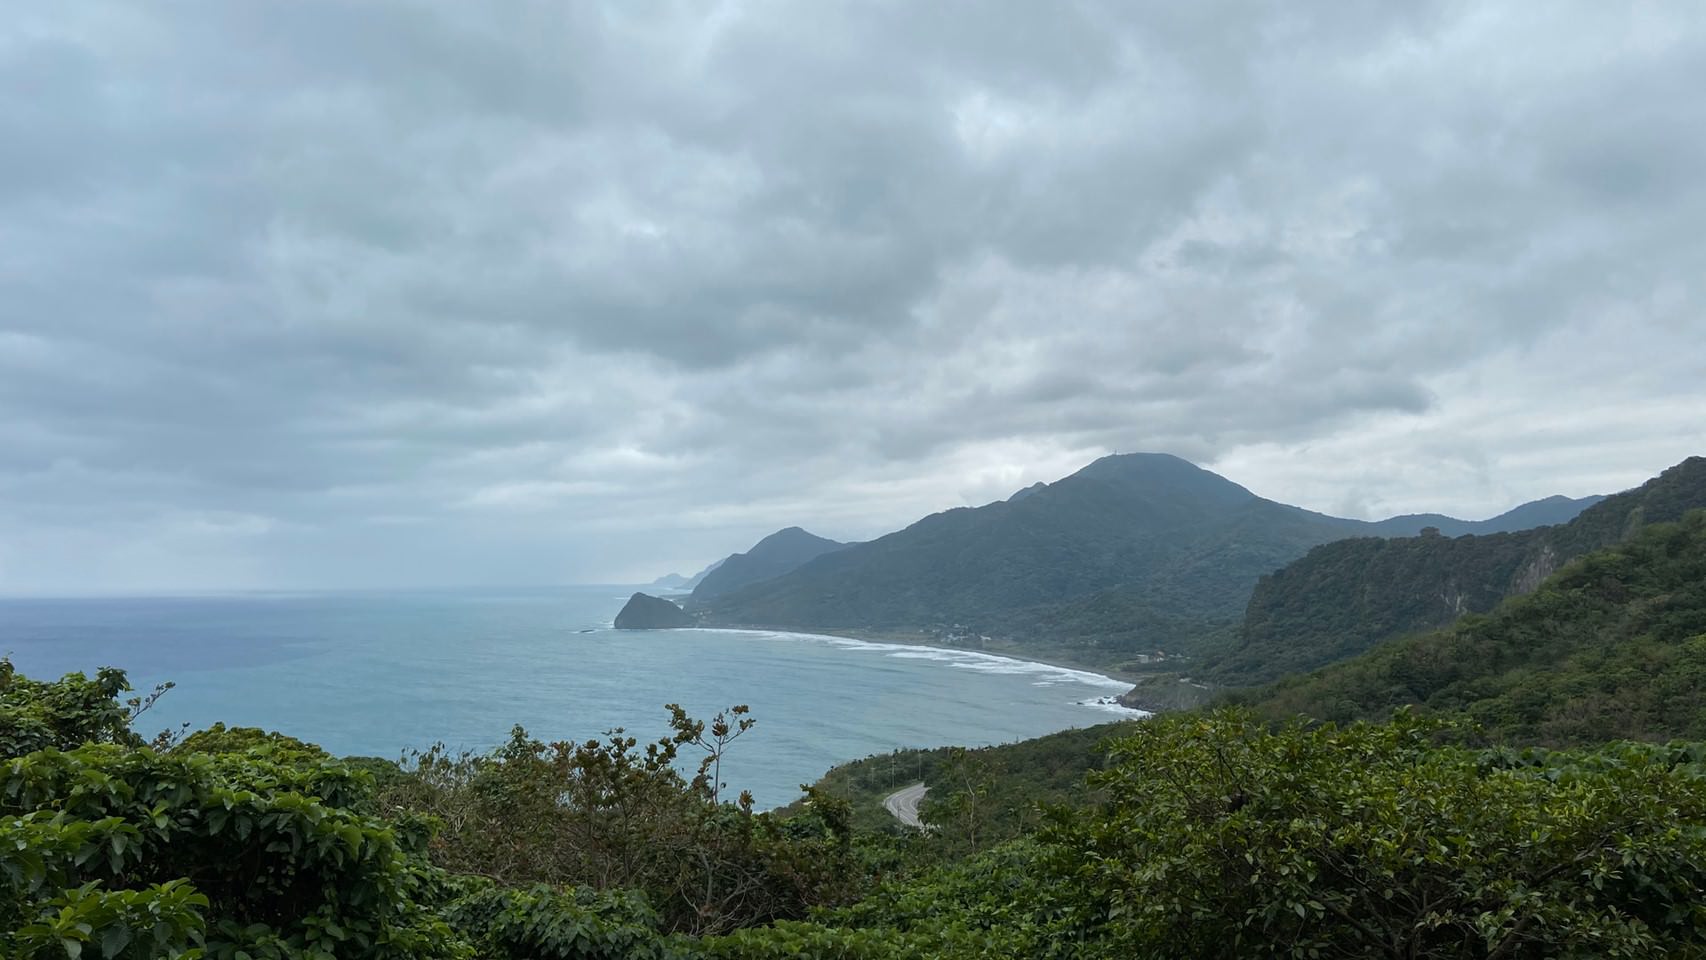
[375, 674]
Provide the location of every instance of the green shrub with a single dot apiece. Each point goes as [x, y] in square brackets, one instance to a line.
[1224, 838]
[274, 857]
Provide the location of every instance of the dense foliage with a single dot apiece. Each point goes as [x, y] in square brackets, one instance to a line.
[1612, 646]
[37, 715]
[1222, 837]
[1203, 835]
[241, 843]
[1345, 597]
[146, 854]
[1219, 836]
[609, 814]
[1010, 783]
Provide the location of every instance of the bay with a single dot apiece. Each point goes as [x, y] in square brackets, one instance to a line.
[375, 674]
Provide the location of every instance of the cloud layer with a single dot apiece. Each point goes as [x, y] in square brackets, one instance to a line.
[407, 293]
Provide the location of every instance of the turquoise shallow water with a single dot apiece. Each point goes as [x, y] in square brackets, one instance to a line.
[374, 674]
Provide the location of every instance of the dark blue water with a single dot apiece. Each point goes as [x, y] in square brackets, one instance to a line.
[374, 674]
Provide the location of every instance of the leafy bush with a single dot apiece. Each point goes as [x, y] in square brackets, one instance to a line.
[220, 739]
[63, 714]
[1224, 838]
[272, 856]
[545, 923]
[610, 815]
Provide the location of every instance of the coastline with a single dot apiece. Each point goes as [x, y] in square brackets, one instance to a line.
[919, 638]
[912, 641]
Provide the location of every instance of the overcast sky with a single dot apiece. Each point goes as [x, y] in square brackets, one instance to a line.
[317, 293]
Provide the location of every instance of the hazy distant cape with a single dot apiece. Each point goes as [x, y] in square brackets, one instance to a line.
[675, 581]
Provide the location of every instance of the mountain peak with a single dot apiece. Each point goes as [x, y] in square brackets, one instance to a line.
[773, 556]
[1163, 473]
[1138, 460]
[789, 535]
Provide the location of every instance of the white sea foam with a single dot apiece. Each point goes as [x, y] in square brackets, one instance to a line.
[1109, 705]
[1047, 674]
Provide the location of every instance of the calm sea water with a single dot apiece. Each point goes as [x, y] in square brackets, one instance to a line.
[374, 674]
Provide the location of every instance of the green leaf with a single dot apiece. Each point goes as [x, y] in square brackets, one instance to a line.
[115, 939]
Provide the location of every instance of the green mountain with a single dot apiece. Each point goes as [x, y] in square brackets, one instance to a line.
[1133, 557]
[773, 556]
[1193, 540]
[1344, 597]
[1612, 646]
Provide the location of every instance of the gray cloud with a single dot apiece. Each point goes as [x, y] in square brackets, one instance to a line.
[409, 293]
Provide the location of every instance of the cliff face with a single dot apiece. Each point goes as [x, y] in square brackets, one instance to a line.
[1165, 692]
[1543, 565]
[645, 612]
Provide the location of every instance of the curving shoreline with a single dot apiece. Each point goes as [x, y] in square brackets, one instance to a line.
[963, 657]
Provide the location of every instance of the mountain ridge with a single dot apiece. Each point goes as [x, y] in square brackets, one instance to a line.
[1142, 538]
[1545, 512]
[770, 557]
[1343, 597]
[1611, 645]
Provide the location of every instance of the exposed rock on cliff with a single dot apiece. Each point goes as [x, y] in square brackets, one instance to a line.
[1164, 692]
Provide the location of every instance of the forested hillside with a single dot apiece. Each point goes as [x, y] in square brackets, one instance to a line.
[1613, 646]
[1008, 782]
[772, 556]
[1134, 558]
[1118, 520]
[1344, 597]
[1187, 542]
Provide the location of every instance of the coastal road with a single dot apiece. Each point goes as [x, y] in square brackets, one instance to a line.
[903, 803]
